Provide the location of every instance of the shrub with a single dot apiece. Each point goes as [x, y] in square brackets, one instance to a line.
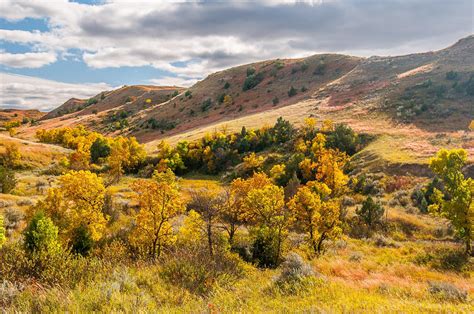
[206, 105]
[296, 275]
[292, 92]
[195, 270]
[320, 69]
[451, 75]
[447, 292]
[275, 101]
[265, 248]
[250, 71]
[7, 180]
[382, 241]
[226, 85]
[252, 80]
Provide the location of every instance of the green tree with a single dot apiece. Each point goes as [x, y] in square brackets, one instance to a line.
[456, 203]
[41, 235]
[99, 149]
[371, 213]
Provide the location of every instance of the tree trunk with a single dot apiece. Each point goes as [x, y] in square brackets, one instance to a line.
[231, 235]
[209, 237]
[313, 241]
[320, 242]
[468, 244]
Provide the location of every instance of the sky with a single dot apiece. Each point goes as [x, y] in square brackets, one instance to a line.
[53, 50]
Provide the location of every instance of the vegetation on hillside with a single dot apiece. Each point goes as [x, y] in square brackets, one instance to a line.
[289, 222]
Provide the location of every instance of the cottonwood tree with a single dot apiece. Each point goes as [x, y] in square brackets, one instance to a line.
[209, 205]
[159, 201]
[125, 154]
[456, 204]
[316, 213]
[266, 210]
[75, 203]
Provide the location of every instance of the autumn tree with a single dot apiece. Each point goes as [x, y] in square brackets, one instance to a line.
[169, 157]
[11, 157]
[159, 201]
[316, 213]
[209, 205]
[456, 204]
[235, 213]
[266, 210]
[125, 155]
[76, 203]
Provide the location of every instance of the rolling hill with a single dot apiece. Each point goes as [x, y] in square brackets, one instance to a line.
[414, 103]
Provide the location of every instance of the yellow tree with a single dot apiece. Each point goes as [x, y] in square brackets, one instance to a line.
[235, 213]
[160, 201]
[125, 154]
[209, 204]
[76, 203]
[315, 213]
[266, 209]
[457, 204]
[11, 157]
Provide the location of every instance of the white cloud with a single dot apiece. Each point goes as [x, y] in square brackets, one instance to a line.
[27, 60]
[210, 36]
[26, 92]
[173, 81]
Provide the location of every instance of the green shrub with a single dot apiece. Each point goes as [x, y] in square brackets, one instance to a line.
[7, 180]
[250, 71]
[292, 92]
[252, 80]
[41, 235]
[275, 101]
[226, 85]
[265, 248]
[206, 105]
[320, 69]
[451, 75]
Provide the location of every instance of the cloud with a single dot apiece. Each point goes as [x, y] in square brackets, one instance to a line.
[27, 60]
[28, 92]
[189, 40]
[173, 81]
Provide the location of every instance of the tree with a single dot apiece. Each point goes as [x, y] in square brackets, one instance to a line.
[75, 203]
[7, 180]
[292, 92]
[344, 139]
[456, 204]
[159, 202]
[125, 155]
[2, 232]
[266, 209]
[234, 213]
[41, 235]
[252, 163]
[371, 213]
[99, 149]
[209, 205]
[11, 157]
[169, 157]
[316, 214]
